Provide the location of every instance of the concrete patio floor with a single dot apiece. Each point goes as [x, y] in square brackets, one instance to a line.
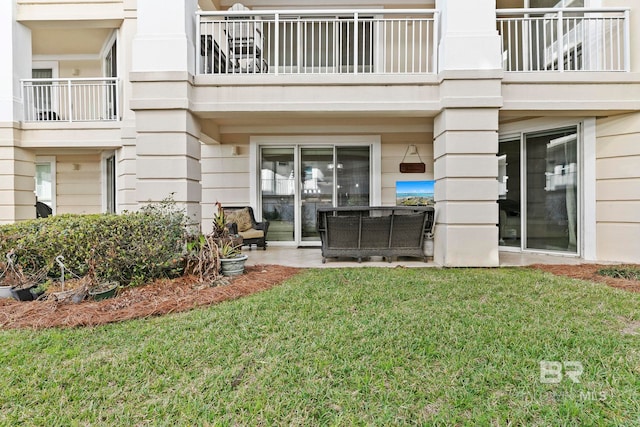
[312, 258]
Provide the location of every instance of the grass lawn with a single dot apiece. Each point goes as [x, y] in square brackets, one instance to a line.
[346, 346]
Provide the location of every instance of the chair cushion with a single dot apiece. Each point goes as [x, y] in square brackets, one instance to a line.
[251, 233]
[242, 218]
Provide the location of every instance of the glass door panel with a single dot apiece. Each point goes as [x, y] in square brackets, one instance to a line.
[352, 169]
[316, 173]
[509, 201]
[551, 191]
[277, 184]
[44, 184]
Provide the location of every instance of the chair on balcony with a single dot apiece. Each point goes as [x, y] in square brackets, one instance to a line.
[244, 36]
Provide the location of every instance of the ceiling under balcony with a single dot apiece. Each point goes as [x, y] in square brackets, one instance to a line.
[83, 41]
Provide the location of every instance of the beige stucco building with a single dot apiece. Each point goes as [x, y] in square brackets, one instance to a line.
[526, 114]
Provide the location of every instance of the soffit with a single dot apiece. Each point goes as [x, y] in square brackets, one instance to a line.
[69, 41]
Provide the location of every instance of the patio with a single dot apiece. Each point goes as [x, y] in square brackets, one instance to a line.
[311, 257]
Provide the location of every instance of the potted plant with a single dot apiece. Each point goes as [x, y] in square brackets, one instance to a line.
[23, 287]
[5, 288]
[231, 259]
[103, 290]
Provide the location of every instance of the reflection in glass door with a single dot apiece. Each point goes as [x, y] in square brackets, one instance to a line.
[277, 184]
[551, 191]
[328, 176]
[510, 223]
[538, 178]
[316, 170]
[352, 176]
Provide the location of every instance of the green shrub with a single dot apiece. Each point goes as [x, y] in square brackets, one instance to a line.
[132, 248]
[629, 272]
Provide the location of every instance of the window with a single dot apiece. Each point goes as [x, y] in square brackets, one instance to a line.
[46, 181]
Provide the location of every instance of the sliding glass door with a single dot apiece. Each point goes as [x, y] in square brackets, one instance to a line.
[539, 191]
[296, 181]
[551, 191]
[277, 182]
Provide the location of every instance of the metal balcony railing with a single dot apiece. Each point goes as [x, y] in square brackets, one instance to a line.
[568, 39]
[318, 42]
[71, 100]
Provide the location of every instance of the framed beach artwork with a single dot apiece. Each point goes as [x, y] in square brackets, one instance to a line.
[414, 193]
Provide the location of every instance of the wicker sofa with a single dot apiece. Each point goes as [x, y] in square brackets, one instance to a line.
[243, 222]
[360, 232]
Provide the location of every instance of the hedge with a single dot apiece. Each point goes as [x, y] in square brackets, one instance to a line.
[132, 248]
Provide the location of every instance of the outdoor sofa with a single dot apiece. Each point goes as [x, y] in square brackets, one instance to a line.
[386, 231]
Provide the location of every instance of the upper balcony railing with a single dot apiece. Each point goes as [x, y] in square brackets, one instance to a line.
[318, 42]
[568, 39]
[71, 100]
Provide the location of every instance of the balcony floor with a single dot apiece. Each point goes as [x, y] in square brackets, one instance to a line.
[312, 258]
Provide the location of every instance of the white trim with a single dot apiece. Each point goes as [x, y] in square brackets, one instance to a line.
[103, 176]
[589, 237]
[106, 47]
[51, 160]
[67, 57]
[537, 125]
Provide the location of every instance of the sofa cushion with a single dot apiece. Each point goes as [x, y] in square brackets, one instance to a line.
[242, 218]
[251, 233]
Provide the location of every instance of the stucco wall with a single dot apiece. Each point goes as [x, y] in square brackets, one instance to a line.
[618, 188]
[226, 177]
[394, 147]
[78, 184]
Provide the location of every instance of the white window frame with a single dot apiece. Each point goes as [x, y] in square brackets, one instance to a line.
[51, 161]
[104, 177]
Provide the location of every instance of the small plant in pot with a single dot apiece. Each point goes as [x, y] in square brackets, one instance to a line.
[98, 289]
[22, 286]
[231, 259]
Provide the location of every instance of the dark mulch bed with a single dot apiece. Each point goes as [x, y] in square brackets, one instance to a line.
[590, 272]
[157, 298]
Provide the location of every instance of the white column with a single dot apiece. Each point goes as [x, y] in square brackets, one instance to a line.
[470, 40]
[167, 145]
[17, 168]
[466, 135]
[15, 62]
[126, 198]
[165, 36]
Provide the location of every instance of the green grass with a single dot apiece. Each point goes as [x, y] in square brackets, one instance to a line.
[340, 347]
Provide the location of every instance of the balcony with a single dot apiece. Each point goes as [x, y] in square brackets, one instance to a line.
[569, 39]
[318, 42]
[71, 100]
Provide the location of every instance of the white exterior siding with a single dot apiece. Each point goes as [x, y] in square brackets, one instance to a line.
[78, 184]
[618, 188]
